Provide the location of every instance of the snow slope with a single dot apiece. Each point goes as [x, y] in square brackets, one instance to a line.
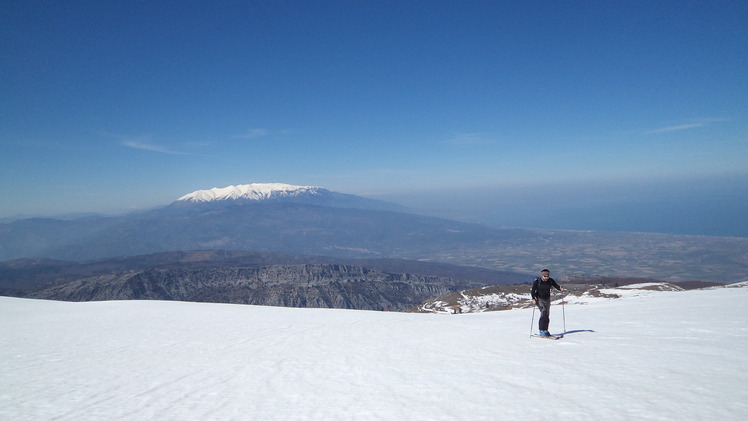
[654, 356]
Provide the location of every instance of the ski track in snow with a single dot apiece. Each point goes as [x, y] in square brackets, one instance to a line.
[652, 355]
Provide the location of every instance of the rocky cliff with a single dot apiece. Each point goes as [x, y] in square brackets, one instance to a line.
[308, 285]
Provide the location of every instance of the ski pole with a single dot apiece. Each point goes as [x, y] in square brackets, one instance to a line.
[532, 322]
[563, 310]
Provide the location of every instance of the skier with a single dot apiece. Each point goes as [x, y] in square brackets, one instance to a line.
[541, 296]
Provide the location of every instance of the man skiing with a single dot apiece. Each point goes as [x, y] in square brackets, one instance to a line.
[541, 296]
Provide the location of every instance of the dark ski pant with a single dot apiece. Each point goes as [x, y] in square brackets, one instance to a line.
[545, 314]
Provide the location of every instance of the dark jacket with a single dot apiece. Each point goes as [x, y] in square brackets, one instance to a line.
[542, 289]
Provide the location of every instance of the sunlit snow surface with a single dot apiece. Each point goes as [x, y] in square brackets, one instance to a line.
[656, 355]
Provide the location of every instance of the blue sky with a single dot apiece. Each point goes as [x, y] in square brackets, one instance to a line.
[112, 106]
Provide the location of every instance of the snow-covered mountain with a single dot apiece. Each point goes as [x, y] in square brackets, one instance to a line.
[654, 355]
[253, 191]
[257, 193]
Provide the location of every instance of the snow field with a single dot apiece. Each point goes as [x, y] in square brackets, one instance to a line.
[655, 356]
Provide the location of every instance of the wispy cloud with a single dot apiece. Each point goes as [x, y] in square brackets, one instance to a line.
[253, 134]
[676, 128]
[258, 133]
[467, 139]
[688, 126]
[142, 143]
[146, 145]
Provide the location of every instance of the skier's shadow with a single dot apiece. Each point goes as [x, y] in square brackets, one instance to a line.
[568, 332]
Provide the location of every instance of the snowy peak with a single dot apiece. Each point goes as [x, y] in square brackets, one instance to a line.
[248, 194]
[254, 191]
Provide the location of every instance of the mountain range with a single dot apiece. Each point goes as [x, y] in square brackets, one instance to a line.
[313, 221]
[308, 285]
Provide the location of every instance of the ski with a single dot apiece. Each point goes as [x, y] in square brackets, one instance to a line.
[554, 337]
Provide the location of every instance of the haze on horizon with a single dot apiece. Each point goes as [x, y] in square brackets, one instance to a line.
[575, 115]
